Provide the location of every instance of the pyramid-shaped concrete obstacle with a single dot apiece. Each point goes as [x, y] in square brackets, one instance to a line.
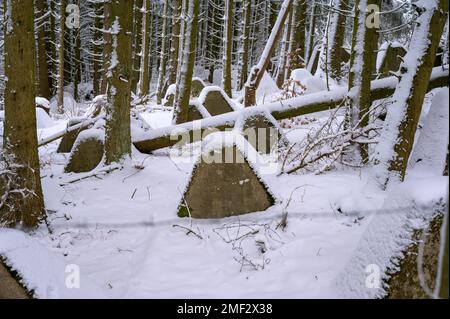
[261, 130]
[392, 58]
[10, 288]
[169, 97]
[216, 101]
[314, 63]
[66, 144]
[225, 180]
[197, 87]
[197, 111]
[87, 152]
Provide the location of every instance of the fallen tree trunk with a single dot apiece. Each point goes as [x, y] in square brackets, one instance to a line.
[257, 72]
[69, 129]
[318, 102]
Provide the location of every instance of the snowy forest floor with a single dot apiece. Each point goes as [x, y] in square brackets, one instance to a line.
[121, 229]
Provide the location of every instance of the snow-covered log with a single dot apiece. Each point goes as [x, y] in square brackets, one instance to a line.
[302, 105]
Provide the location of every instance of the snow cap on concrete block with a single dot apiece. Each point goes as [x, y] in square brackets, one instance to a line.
[216, 101]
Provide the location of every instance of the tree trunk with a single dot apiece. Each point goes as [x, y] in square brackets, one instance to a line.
[227, 48]
[336, 50]
[51, 48]
[97, 51]
[402, 119]
[181, 105]
[77, 59]
[61, 46]
[257, 72]
[43, 72]
[444, 272]
[118, 136]
[107, 48]
[298, 33]
[281, 76]
[163, 55]
[144, 78]
[214, 47]
[138, 42]
[175, 45]
[362, 66]
[311, 32]
[26, 205]
[247, 15]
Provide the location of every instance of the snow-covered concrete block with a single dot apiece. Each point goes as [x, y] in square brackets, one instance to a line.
[197, 86]
[87, 152]
[66, 144]
[225, 180]
[262, 131]
[390, 58]
[216, 101]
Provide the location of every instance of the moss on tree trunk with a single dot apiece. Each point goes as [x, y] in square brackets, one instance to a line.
[26, 207]
[61, 45]
[144, 73]
[43, 74]
[118, 135]
[417, 91]
[184, 86]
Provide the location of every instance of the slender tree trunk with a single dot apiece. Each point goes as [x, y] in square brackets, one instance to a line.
[331, 55]
[26, 205]
[118, 135]
[43, 71]
[51, 48]
[338, 36]
[77, 59]
[138, 42]
[311, 32]
[183, 20]
[444, 271]
[152, 43]
[163, 55]
[214, 42]
[175, 46]
[97, 51]
[182, 97]
[107, 48]
[362, 63]
[397, 137]
[228, 48]
[284, 51]
[247, 15]
[61, 46]
[144, 78]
